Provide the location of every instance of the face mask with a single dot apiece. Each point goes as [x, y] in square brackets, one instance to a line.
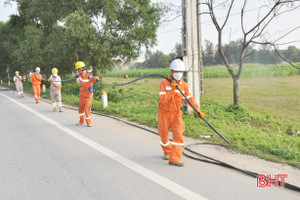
[177, 76]
[17, 74]
[37, 72]
[54, 74]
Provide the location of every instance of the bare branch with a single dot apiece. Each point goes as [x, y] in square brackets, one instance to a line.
[291, 42]
[242, 16]
[204, 13]
[265, 17]
[283, 58]
[277, 52]
[287, 33]
[228, 13]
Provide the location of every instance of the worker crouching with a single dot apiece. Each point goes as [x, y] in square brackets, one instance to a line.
[55, 90]
[86, 93]
[170, 114]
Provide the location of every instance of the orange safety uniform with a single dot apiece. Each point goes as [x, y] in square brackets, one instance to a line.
[85, 97]
[36, 79]
[170, 116]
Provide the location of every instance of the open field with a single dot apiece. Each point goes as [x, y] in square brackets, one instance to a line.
[278, 96]
[274, 95]
[250, 70]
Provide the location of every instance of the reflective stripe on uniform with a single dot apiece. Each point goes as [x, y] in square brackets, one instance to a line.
[187, 97]
[174, 143]
[88, 117]
[81, 114]
[161, 93]
[164, 144]
[83, 80]
[168, 87]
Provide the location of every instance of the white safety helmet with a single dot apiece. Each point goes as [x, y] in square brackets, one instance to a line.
[37, 69]
[177, 65]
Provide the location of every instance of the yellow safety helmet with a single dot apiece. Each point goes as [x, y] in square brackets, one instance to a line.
[17, 72]
[79, 65]
[54, 71]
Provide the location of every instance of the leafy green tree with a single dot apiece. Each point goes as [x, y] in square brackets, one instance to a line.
[177, 52]
[30, 54]
[93, 31]
[292, 54]
[10, 36]
[208, 53]
[58, 51]
[156, 60]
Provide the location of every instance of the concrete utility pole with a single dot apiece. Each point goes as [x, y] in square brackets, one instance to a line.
[192, 48]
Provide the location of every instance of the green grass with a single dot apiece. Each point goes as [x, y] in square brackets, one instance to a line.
[270, 106]
[249, 70]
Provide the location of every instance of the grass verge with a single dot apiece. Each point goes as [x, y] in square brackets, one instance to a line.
[252, 129]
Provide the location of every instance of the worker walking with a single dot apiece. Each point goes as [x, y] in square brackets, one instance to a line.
[170, 114]
[55, 90]
[86, 93]
[18, 84]
[36, 79]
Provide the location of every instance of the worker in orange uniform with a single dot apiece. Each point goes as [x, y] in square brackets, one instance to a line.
[86, 93]
[170, 114]
[18, 84]
[36, 79]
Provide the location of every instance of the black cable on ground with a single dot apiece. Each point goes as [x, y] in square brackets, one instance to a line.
[147, 76]
[208, 159]
[217, 162]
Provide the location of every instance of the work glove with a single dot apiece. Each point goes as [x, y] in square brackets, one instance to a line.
[201, 114]
[97, 78]
[77, 76]
[173, 84]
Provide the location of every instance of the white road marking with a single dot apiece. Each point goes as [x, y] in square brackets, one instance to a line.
[160, 180]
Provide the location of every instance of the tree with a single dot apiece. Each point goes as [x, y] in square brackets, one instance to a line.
[30, 54]
[156, 60]
[250, 32]
[177, 52]
[292, 53]
[93, 31]
[208, 53]
[10, 35]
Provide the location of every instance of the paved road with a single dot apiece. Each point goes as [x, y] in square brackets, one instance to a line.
[44, 155]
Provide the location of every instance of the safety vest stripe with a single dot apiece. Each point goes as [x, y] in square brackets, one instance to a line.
[174, 143]
[187, 97]
[161, 93]
[169, 87]
[83, 80]
[164, 144]
[81, 114]
[88, 117]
